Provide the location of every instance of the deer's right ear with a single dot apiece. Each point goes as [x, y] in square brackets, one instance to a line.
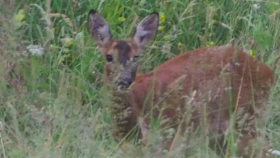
[98, 28]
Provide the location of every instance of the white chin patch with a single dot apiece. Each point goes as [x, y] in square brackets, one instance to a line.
[122, 88]
[119, 88]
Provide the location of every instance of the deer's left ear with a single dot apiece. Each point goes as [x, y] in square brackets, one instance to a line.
[146, 30]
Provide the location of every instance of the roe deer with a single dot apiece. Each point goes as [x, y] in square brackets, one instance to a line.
[217, 83]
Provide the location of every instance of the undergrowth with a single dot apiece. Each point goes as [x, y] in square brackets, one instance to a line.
[52, 101]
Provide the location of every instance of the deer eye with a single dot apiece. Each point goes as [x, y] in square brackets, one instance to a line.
[109, 58]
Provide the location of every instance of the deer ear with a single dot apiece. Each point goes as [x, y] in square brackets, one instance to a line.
[146, 30]
[98, 28]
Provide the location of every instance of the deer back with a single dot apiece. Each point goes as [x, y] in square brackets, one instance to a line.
[223, 78]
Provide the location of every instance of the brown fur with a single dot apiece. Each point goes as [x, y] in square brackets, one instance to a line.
[212, 73]
[207, 88]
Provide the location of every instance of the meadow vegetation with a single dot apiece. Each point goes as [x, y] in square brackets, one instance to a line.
[52, 100]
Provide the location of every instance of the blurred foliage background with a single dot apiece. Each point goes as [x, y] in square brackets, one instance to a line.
[52, 102]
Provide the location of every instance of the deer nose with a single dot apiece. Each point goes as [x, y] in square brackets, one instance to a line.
[127, 80]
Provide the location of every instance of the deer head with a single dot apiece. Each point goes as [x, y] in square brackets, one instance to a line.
[121, 55]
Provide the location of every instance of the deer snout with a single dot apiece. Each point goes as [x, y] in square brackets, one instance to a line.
[125, 78]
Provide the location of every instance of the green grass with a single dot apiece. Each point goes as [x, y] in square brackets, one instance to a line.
[54, 105]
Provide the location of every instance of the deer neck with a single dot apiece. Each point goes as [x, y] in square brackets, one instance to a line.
[123, 116]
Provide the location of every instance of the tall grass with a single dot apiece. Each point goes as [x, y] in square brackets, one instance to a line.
[54, 105]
